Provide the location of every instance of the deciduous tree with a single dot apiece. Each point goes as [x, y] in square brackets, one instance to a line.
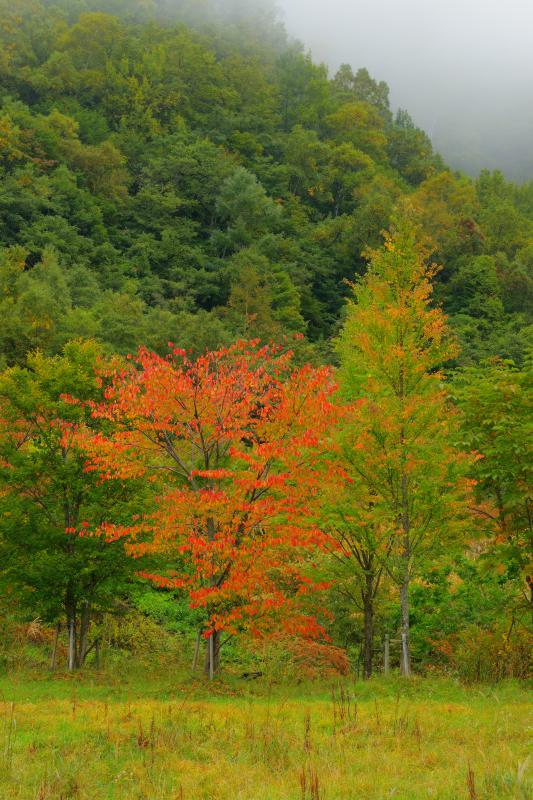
[391, 348]
[497, 404]
[52, 510]
[234, 441]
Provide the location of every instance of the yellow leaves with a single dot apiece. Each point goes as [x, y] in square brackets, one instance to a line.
[11, 148]
[12, 263]
[421, 582]
[41, 323]
[65, 126]
[454, 582]
[391, 347]
[315, 190]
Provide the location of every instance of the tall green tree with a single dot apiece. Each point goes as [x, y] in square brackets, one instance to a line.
[391, 348]
[496, 401]
[363, 546]
[54, 548]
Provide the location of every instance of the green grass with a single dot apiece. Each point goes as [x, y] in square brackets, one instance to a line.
[97, 737]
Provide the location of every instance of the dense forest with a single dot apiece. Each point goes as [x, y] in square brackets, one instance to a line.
[183, 178]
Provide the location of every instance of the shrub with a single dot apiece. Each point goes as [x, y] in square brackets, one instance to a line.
[478, 654]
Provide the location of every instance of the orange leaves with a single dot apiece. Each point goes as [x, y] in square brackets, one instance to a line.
[162, 582]
[236, 442]
[107, 531]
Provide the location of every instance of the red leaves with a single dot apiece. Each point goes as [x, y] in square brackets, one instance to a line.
[235, 441]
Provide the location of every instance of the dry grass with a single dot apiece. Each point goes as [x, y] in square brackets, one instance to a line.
[62, 740]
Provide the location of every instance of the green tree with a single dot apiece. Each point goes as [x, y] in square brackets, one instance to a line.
[391, 347]
[496, 401]
[303, 90]
[411, 151]
[55, 551]
[360, 125]
[246, 209]
[263, 300]
[363, 87]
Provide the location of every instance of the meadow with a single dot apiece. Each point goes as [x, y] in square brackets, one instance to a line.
[122, 737]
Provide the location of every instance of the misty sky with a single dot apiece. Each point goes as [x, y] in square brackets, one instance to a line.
[462, 68]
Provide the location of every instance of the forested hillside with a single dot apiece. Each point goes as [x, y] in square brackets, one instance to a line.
[209, 177]
[182, 178]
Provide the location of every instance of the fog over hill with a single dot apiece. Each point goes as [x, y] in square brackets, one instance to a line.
[462, 68]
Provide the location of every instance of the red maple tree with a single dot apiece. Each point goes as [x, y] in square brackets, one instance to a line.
[235, 443]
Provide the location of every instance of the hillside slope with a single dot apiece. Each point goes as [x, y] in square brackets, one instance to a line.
[207, 177]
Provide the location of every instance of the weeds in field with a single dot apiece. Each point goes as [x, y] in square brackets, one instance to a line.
[471, 784]
[10, 726]
[310, 785]
[74, 742]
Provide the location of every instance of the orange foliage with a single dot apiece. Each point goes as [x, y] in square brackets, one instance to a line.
[313, 659]
[235, 442]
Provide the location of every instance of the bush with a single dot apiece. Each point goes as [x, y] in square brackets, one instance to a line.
[136, 634]
[281, 658]
[492, 654]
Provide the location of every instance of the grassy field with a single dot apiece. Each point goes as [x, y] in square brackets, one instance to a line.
[102, 738]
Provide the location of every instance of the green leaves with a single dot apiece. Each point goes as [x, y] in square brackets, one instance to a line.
[496, 401]
[46, 496]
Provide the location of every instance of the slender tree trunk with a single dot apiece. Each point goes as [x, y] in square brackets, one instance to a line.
[406, 545]
[404, 606]
[70, 601]
[53, 660]
[196, 651]
[85, 623]
[212, 655]
[71, 624]
[212, 651]
[368, 608]
[386, 655]
[529, 581]
[216, 652]
[404, 589]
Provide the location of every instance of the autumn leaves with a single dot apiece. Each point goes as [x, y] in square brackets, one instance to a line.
[252, 458]
[237, 446]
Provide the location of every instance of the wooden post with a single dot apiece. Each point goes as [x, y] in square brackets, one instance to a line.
[405, 656]
[53, 660]
[386, 655]
[196, 651]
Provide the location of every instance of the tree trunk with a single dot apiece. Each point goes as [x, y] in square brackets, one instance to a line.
[71, 624]
[85, 624]
[212, 650]
[368, 641]
[196, 651]
[212, 655]
[53, 660]
[404, 590]
[386, 655]
[404, 605]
